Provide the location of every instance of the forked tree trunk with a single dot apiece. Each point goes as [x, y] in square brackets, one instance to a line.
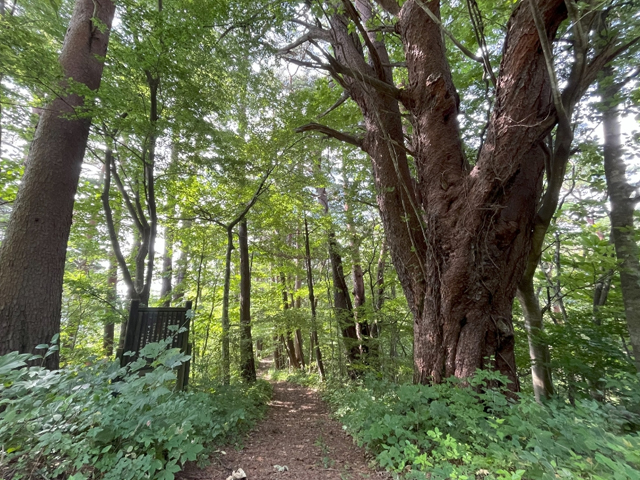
[621, 214]
[459, 235]
[32, 255]
[247, 362]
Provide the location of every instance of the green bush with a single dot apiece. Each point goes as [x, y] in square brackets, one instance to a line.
[448, 431]
[100, 421]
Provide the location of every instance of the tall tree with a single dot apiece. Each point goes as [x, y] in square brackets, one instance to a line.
[312, 301]
[247, 360]
[621, 196]
[33, 252]
[459, 233]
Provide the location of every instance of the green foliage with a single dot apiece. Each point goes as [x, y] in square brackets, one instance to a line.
[465, 433]
[102, 421]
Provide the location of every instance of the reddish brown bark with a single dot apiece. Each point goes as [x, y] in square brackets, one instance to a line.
[459, 236]
[33, 253]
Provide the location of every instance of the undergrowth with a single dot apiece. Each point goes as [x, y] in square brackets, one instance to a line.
[100, 421]
[451, 432]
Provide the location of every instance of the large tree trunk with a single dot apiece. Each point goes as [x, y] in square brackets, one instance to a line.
[32, 255]
[621, 214]
[247, 362]
[459, 235]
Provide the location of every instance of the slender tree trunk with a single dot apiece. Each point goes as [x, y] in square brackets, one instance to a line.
[299, 345]
[247, 361]
[167, 267]
[342, 305]
[278, 362]
[382, 262]
[538, 349]
[359, 314]
[291, 349]
[112, 297]
[226, 359]
[342, 302]
[621, 214]
[32, 255]
[181, 270]
[312, 302]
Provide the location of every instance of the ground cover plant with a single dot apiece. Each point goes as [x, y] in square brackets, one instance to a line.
[448, 432]
[102, 421]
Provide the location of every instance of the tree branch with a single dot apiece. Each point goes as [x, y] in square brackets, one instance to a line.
[330, 132]
[336, 67]
[126, 197]
[375, 58]
[108, 213]
[548, 60]
[343, 98]
[389, 6]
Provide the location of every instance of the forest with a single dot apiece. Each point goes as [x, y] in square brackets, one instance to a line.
[424, 211]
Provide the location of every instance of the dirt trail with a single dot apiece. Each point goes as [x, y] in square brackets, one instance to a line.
[299, 434]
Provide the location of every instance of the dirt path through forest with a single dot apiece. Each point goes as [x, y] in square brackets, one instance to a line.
[297, 433]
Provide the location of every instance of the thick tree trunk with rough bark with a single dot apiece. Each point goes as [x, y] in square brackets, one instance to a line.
[33, 252]
[621, 215]
[247, 362]
[459, 235]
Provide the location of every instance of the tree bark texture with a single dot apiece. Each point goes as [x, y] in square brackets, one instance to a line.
[621, 215]
[459, 235]
[32, 256]
[247, 361]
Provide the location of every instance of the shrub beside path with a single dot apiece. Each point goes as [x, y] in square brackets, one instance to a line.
[297, 433]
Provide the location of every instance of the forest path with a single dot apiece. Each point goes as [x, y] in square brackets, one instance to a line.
[297, 433]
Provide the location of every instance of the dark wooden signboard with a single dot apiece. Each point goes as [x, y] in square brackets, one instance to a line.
[149, 325]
